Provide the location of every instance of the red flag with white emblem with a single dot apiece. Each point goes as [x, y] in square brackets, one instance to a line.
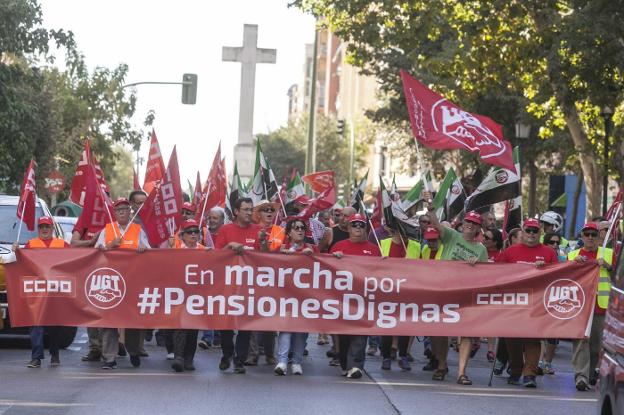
[28, 197]
[97, 207]
[155, 169]
[439, 124]
[78, 186]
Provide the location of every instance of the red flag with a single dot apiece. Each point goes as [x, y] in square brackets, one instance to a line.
[97, 208]
[76, 194]
[323, 201]
[136, 185]
[215, 189]
[28, 197]
[439, 124]
[378, 212]
[163, 204]
[319, 181]
[197, 194]
[155, 168]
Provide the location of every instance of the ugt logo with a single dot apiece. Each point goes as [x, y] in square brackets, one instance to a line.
[105, 288]
[564, 299]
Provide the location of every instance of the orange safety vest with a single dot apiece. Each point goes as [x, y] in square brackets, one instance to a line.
[38, 243]
[130, 238]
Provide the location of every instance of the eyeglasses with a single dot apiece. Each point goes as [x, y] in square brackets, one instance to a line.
[553, 243]
[193, 231]
[531, 230]
[360, 225]
[299, 228]
[267, 210]
[590, 234]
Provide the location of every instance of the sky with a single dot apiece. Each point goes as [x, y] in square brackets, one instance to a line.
[161, 40]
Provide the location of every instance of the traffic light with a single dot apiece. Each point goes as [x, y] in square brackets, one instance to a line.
[189, 88]
[341, 127]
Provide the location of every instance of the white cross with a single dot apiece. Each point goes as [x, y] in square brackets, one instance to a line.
[248, 56]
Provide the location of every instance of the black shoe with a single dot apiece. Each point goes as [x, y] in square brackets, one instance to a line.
[513, 380]
[188, 365]
[331, 353]
[149, 334]
[55, 360]
[122, 350]
[582, 386]
[240, 369]
[593, 381]
[92, 356]
[143, 353]
[34, 363]
[432, 365]
[177, 365]
[203, 344]
[135, 360]
[306, 352]
[529, 382]
[109, 365]
[224, 364]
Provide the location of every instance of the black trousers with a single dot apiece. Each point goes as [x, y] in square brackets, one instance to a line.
[239, 352]
[386, 346]
[185, 344]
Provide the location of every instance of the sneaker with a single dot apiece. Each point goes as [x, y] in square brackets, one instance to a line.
[34, 363]
[513, 380]
[280, 369]
[143, 353]
[334, 362]
[498, 368]
[372, 351]
[92, 356]
[55, 360]
[122, 350]
[177, 365]
[240, 369]
[296, 369]
[203, 344]
[109, 365]
[224, 364]
[135, 360]
[386, 364]
[529, 382]
[548, 369]
[354, 373]
[432, 365]
[404, 363]
[581, 385]
[170, 356]
[270, 360]
[490, 356]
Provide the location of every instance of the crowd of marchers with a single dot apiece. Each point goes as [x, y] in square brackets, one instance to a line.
[345, 232]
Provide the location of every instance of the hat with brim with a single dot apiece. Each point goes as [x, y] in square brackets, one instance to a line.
[189, 224]
[531, 223]
[357, 217]
[261, 205]
[188, 206]
[44, 220]
[121, 201]
[473, 217]
[590, 226]
[431, 233]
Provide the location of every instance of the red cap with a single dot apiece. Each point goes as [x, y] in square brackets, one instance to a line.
[473, 217]
[121, 201]
[191, 223]
[591, 226]
[431, 233]
[303, 199]
[357, 217]
[531, 223]
[188, 206]
[44, 220]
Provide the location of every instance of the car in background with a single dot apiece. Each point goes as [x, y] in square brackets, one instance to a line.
[9, 225]
[67, 224]
[611, 371]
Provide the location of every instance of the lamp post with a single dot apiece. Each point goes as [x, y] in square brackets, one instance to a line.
[607, 114]
[523, 131]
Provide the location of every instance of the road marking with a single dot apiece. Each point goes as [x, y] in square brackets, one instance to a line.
[522, 396]
[42, 404]
[116, 373]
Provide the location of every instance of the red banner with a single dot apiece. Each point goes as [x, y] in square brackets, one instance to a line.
[277, 292]
[439, 124]
[155, 169]
[28, 197]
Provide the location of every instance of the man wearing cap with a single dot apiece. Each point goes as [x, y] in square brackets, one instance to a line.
[122, 234]
[239, 235]
[585, 352]
[524, 354]
[44, 239]
[352, 348]
[186, 212]
[457, 247]
[433, 248]
[340, 231]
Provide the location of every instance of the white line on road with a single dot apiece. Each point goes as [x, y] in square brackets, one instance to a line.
[42, 404]
[523, 396]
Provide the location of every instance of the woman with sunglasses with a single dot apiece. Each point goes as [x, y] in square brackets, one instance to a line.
[493, 241]
[290, 341]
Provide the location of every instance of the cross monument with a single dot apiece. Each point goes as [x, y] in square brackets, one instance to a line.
[248, 55]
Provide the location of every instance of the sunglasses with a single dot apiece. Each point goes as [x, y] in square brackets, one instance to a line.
[553, 243]
[531, 230]
[590, 234]
[299, 228]
[267, 210]
[188, 212]
[487, 238]
[193, 231]
[360, 225]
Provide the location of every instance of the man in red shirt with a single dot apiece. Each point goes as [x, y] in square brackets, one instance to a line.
[239, 235]
[530, 251]
[352, 348]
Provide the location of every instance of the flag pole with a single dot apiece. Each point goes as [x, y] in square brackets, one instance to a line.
[370, 223]
[104, 199]
[606, 239]
[19, 230]
[131, 220]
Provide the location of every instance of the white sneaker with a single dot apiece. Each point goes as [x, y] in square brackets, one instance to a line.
[281, 369]
[170, 356]
[296, 369]
[354, 373]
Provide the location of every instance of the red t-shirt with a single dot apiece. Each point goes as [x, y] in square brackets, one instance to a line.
[593, 256]
[47, 243]
[396, 251]
[493, 255]
[528, 254]
[364, 248]
[232, 232]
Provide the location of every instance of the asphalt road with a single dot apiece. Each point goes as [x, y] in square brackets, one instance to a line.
[83, 388]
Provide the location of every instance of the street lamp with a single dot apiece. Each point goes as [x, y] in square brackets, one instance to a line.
[523, 131]
[607, 114]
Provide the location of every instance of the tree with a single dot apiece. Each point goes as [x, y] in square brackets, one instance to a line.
[553, 63]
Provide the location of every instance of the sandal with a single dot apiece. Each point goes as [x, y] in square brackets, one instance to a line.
[464, 380]
[439, 374]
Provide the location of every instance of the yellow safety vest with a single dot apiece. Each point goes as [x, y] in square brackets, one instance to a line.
[413, 248]
[604, 282]
[426, 252]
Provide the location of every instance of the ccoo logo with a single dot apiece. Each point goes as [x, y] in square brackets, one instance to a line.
[105, 288]
[564, 299]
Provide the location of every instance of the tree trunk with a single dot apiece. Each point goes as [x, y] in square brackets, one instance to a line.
[532, 188]
[577, 196]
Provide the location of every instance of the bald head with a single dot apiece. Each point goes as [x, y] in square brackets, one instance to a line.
[346, 212]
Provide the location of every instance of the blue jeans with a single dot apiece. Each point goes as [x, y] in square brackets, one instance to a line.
[210, 336]
[36, 340]
[286, 342]
[374, 341]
